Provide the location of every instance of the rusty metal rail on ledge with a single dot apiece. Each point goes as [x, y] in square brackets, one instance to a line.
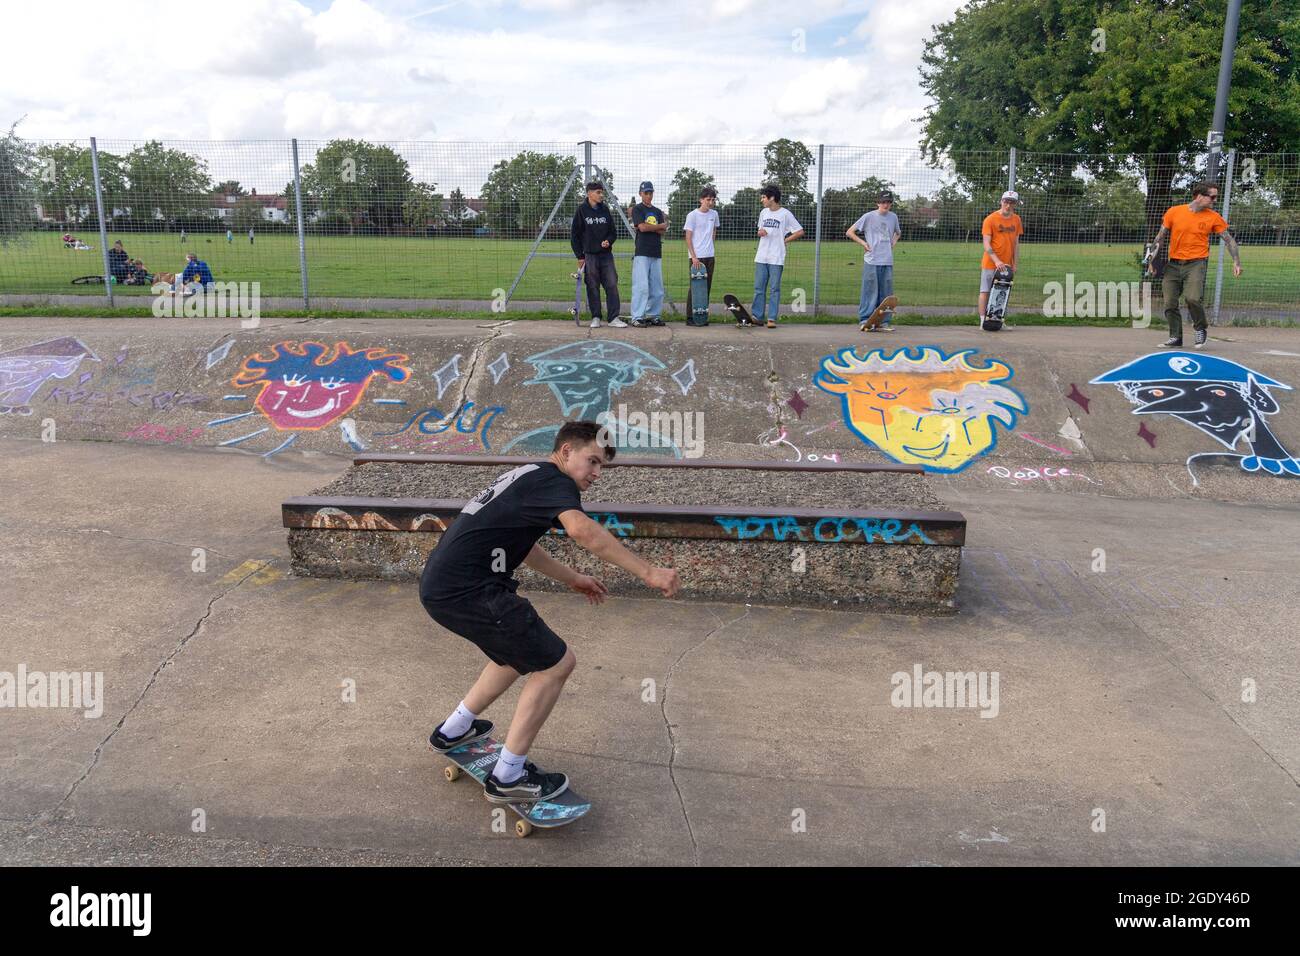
[631, 520]
[759, 464]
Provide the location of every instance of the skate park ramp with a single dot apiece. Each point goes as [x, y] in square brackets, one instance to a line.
[1043, 409]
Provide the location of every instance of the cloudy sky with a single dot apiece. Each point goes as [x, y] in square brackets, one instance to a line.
[694, 71]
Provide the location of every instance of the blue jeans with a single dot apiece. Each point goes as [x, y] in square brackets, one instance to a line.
[767, 291]
[877, 283]
[647, 287]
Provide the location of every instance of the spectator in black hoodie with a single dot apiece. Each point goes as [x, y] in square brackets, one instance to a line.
[117, 261]
[592, 237]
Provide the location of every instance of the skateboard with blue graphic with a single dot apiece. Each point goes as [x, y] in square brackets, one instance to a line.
[576, 311]
[699, 296]
[479, 757]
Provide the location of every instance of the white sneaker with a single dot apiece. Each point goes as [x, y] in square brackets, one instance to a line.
[595, 322]
[617, 324]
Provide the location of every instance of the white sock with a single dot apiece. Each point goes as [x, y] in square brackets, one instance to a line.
[458, 722]
[509, 767]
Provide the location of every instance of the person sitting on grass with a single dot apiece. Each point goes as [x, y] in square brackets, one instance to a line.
[117, 261]
[196, 269]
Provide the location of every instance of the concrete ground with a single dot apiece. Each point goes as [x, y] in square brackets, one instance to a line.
[704, 734]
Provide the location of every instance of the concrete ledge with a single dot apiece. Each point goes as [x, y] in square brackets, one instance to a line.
[823, 534]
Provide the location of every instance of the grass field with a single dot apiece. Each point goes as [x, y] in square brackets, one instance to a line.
[925, 273]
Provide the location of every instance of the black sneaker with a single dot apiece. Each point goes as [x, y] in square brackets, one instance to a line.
[658, 322]
[1172, 343]
[638, 323]
[477, 731]
[532, 785]
[1201, 336]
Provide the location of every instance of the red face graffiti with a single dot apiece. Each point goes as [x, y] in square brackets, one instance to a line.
[290, 403]
[306, 386]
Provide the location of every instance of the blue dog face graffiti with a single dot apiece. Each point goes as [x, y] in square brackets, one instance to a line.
[585, 377]
[1217, 396]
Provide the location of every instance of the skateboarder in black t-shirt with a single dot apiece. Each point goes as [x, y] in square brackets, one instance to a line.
[467, 588]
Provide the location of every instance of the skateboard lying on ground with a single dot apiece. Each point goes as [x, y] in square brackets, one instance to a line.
[737, 308]
[699, 296]
[999, 295]
[887, 304]
[480, 756]
[576, 311]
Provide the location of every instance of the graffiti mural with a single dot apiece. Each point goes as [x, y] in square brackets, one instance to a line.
[922, 407]
[24, 370]
[307, 385]
[1222, 399]
[470, 428]
[584, 377]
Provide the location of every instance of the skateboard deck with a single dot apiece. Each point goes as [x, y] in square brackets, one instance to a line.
[887, 304]
[737, 308]
[576, 311]
[699, 296]
[479, 757]
[999, 296]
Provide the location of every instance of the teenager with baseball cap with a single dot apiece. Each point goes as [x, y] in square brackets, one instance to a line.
[1001, 232]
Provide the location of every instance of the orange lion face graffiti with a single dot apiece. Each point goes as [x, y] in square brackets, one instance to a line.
[929, 409]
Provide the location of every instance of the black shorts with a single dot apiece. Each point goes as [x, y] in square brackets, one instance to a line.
[504, 626]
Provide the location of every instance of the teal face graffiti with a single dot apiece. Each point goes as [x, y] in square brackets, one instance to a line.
[584, 377]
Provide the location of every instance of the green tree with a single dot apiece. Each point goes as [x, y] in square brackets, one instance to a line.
[842, 207]
[65, 184]
[454, 208]
[1116, 84]
[164, 181]
[18, 170]
[247, 214]
[521, 191]
[229, 187]
[423, 207]
[785, 164]
[357, 183]
[684, 195]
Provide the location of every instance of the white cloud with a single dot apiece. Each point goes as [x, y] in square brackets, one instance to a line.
[816, 90]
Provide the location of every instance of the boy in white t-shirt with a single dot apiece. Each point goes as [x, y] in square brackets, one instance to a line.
[879, 233]
[701, 228]
[776, 228]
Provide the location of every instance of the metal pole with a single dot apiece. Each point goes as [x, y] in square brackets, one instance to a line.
[1011, 170]
[586, 160]
[542, 233]
[103, 228]
[1215, 137]
[302, 227]
[817, 238]
[1227, 206]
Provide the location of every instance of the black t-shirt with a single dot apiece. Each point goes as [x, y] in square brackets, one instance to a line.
[648, 243]
[511, 515]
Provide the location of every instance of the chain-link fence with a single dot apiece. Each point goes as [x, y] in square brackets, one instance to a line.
[486, 225]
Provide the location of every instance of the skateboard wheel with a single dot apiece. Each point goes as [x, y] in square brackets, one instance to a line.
[523, 828]
[452, 774]
[573, 312]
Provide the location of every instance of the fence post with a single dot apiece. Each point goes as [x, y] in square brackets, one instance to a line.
[586, 161]
[103, 229]
[302, 227]
[1011, 170]
[817, 239]
[1227, 206]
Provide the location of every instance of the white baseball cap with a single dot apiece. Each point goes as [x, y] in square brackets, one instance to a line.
[1012, 195]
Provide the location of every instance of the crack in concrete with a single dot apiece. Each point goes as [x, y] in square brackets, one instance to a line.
[47, 816]
[123, 537]
[475, 356]
[672, 737]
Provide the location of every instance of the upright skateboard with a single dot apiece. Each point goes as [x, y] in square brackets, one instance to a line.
[481, 756]
[737, 308]
[576, 311]
[999, 295]
[887, 304]
[699, 296]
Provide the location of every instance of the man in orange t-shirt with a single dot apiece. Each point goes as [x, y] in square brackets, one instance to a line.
[1189, 228]
[1001, 232]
